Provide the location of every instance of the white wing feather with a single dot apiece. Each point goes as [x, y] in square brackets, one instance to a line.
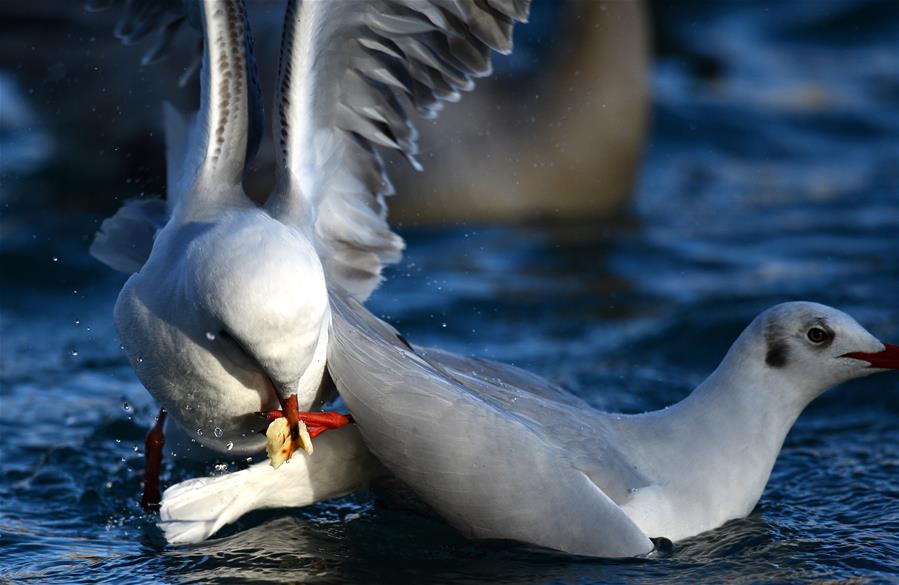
[351, 71]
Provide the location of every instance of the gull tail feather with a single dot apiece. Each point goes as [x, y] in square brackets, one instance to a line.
[195, 509]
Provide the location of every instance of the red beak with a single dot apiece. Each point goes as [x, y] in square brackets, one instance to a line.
[887, 359]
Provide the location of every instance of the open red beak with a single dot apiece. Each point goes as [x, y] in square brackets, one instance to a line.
[887, 359]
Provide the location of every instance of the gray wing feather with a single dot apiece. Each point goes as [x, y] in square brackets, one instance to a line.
[351, 71]
[124, 240]
[515, 381]
[547, 409]
[483, 468]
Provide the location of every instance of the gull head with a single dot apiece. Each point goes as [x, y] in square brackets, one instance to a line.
[260, 296]
[222, 320]
[817, 346]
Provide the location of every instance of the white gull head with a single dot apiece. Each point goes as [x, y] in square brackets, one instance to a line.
[810, 346]
[710, 455]
[224, 317]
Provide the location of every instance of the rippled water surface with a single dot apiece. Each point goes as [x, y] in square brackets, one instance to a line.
[772, 175]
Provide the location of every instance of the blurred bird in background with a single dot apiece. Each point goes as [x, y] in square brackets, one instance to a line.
[556, 133]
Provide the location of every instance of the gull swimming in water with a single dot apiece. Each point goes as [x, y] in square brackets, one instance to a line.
[226, 313]
[502, 453]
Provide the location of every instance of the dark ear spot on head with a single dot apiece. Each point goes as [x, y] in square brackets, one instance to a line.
[777, 354]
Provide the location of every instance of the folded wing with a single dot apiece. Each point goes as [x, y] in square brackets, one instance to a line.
[489, 464]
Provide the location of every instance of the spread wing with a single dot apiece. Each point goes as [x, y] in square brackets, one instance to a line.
[497, 461]
[351, 73]
[220, 138]
[207, 150]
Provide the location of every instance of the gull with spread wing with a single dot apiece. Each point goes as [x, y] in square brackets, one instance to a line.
[227, 313]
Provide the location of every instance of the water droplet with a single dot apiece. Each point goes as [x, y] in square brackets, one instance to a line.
[443, 325]
[74, 352]
[210, 336]
[55, 259]
[221, 467]
[199, 432]
[218, 433]
[230, 445]
[126, 407]
[77, 321]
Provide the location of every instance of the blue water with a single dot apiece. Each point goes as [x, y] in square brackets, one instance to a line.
[772, 175]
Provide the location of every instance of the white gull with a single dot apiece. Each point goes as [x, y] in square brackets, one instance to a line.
[227, 311]
[501, 453]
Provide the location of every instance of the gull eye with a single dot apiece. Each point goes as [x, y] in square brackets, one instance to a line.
[817, 335]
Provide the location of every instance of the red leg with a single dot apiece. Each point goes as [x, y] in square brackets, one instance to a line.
[319, 422]
[292, 412]
[153, 457]
[316, 422]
